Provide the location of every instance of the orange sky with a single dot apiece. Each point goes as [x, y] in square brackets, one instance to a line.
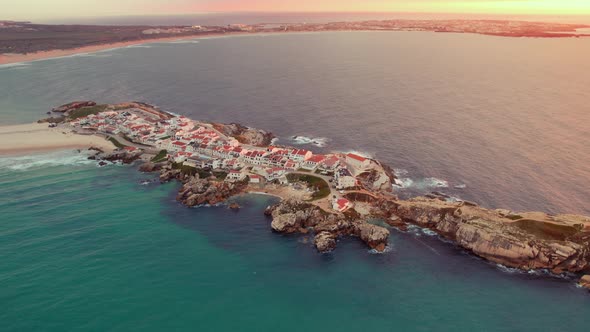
[445, 6]
[34, 9]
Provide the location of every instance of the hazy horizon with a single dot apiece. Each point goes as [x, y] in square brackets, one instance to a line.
[219, 18]
[66, 10]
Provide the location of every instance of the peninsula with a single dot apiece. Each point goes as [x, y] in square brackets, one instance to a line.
[25, 41]
[328, 195]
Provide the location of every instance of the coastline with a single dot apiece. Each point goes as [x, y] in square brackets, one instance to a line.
[30, 138]
[6, 59]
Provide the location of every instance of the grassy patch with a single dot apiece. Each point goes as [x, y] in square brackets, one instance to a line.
[117, 143]
[321, 187]
[184, 169]
[546, 230]
[514, 217]
[85, 111]
[220, 175]
[161, 156]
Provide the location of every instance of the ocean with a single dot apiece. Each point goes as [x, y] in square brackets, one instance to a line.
[499, 121]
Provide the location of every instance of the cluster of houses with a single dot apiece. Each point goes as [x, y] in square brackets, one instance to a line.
[200, 145]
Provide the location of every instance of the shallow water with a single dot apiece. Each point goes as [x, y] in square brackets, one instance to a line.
[93, 248]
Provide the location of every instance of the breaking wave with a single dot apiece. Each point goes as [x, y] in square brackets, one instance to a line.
[407, 183]
[305, 140]
[16, 66]
[189, 41]
[62, 158]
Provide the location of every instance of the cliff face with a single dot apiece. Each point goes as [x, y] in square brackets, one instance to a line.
[290, 216]
[527, 241]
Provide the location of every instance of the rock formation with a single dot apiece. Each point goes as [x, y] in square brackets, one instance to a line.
[245, 135]
[207, 191]
[526, 241]
[585, 281]
[291, 216]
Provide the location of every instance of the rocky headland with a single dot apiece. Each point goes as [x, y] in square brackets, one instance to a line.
[527, 241]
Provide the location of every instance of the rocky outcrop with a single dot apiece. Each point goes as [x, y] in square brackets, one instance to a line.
[378, 177]
[234, 206]
[123, 156]
[245, 135]
[585, 281]
[374, 236]
[149, 167]
[528, 241]
[325, 241]
[207, 191]
[291, 216]
[72, 106]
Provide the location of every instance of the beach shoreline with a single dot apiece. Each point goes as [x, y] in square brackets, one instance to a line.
[25, 139]
[7, 59]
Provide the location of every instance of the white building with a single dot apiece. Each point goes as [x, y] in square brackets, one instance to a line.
[357, 161]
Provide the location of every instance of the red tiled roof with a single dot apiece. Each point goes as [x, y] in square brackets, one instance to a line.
[356, 157]
[317, 158]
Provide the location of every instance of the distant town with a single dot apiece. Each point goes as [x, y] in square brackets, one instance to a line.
[26, 37]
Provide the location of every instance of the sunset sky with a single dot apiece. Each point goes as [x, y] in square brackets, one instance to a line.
[43, 9]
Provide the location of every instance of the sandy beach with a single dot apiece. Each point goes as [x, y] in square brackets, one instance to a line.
[38, 137]
[18, 58]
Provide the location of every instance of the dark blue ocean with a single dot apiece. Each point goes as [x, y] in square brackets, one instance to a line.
[499, 121]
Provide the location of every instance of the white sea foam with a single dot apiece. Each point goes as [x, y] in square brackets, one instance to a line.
[360, 153]
[188, 41]
[18, 65]
[429, 232]
[407, 183]
[62, 158]
[304, 140]
[388, 248]
[460, 186]
[138, 46]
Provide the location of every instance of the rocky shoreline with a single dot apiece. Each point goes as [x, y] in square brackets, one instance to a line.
[526, 241]
[311, 205]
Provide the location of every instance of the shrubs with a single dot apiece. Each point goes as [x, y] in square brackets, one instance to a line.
[161, 156]
[321, 187]
[117, 143]
[85, 111]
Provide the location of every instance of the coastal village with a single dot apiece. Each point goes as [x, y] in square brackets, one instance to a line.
[202, 145]
[328, 196]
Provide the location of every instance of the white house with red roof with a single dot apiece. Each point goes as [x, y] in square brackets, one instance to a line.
[176, 146]
[357, 161]
[313, 163]
[300, 154]
[255, 178]
[235, 175]
[342, 204]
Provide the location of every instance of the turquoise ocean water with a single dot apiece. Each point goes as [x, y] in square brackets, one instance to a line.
[90, 248]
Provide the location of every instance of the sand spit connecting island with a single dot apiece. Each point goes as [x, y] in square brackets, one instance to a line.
[329, 196]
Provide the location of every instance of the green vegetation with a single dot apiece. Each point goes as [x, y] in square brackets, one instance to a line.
[514, 217]
[303, 170]
[220, 175]
[184, 169]
[85, 111]
[322, 189]
[546, 230]
[161, 156]
[117, 143]
[165, 137]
